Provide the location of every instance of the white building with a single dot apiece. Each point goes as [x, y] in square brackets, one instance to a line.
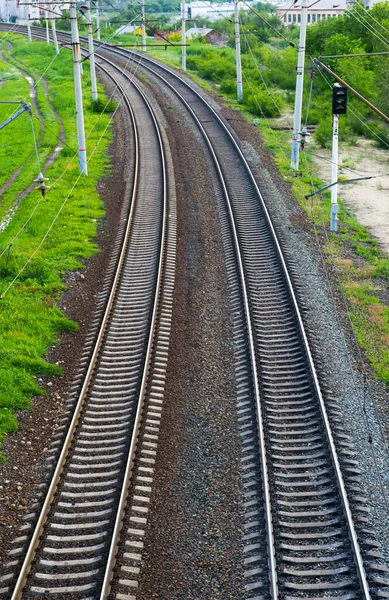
[211, 11]
[19, 10]
[324, 9]
[11, 9]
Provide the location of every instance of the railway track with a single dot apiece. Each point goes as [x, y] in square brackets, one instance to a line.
[74, 542]
[303, 502]
[307, 534]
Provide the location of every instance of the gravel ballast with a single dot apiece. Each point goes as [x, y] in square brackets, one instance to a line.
[193, 541]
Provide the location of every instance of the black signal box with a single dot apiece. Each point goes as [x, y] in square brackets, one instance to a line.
[339, 100]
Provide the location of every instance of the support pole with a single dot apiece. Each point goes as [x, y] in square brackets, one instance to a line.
[78, 89]
[53, 28]
[91, 51]
[47, 27]
[29, 28]
[294, 163]
[143, 27]
[183, 36]
[238, 60]
[334, 176]
[97, 20]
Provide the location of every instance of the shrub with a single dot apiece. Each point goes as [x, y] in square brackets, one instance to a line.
[228, 86]
[260, 102]
[99, 106]
[323, 134]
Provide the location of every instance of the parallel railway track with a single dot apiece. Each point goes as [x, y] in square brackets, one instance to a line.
[74, 543]
[305, 512]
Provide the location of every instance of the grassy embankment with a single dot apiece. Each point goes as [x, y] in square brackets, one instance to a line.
[362, 268]
[29, 318]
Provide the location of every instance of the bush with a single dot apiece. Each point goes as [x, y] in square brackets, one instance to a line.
[228, 86]
[99, 106]
[381, 136]
[261, 103]
[323, 134]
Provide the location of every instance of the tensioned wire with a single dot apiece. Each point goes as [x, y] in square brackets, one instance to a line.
[63, 173]
[306, 121]
[372, 17]
[362, 401]
[363, 21]
[33, 87]
[308, 104]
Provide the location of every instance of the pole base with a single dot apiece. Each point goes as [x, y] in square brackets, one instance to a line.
[334, 217]
[82, 162]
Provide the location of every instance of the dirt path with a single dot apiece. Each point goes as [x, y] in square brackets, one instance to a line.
[369, 200]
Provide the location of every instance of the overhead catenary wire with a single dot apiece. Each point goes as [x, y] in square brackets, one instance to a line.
[287, 10]
[371, 16]
[362, 21]
[257, 66]
[268, 24]
[317, 61]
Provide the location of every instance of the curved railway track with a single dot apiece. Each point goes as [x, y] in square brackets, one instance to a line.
[74, 543]
[307, 535]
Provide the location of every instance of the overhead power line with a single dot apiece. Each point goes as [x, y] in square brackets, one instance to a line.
[355, 55]
[268, 24]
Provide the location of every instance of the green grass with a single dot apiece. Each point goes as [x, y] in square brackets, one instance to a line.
[29, 319]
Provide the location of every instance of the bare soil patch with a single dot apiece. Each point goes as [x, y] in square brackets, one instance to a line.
[369, 199]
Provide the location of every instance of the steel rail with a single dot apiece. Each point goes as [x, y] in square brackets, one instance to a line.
[16, 595]
[130, 461]
[269, 523]
[334, 456]
[80, 403]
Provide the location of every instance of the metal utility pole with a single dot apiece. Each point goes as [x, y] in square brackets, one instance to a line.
[238, 60]
[53, 29]
[183, 36]
[47, 27]
[29, 28]
[91, 51]
[78, 89]
[143, 27]
[97, 20]
[334, 176]
[299, 88]
[7, 11]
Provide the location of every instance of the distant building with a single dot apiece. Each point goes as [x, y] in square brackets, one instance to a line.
[11, 10]
[211, 11]
[128, 29]
[19, 11]
[211, 35]
[324, 9]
